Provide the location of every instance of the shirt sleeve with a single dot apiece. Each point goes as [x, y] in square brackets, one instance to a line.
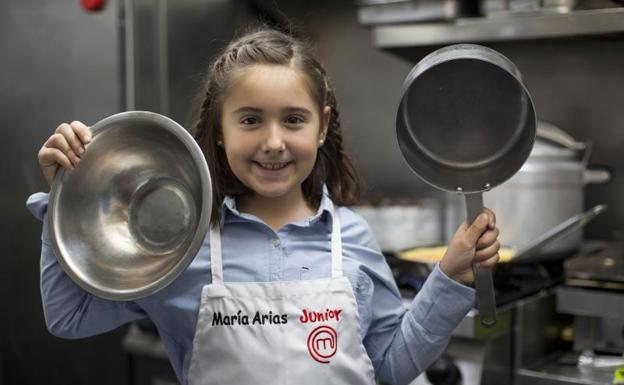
[71, 312]
[402, 343]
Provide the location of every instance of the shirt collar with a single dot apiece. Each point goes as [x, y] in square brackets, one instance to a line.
[229, 204]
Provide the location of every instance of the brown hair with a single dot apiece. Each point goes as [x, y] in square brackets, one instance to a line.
[333, 166]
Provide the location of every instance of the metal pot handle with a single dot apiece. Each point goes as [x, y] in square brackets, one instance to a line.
[597, 175]
[556, 135]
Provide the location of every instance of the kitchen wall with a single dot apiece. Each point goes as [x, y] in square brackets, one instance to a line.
[48, 50]
[575, 83]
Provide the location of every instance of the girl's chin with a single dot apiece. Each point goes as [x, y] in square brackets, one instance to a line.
[272, 190]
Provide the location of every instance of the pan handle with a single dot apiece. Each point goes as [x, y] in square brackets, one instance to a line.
[486, 303]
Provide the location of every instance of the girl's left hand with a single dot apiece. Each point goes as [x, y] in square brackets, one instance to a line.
[476, 243]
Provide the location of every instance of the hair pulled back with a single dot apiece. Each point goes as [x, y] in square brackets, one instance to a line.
[333, 166]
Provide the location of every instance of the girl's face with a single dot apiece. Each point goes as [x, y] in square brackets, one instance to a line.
[271, 129]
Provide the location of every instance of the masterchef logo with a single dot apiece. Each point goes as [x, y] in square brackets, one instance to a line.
[322, 341]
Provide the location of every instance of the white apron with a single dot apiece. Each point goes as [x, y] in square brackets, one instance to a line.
[285, 333]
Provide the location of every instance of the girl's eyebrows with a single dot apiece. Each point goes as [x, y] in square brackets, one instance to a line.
[256, 110]
[246, 109]
[300, 110]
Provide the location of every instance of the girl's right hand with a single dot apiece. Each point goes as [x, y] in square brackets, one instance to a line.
[474, 243]
[64, 148]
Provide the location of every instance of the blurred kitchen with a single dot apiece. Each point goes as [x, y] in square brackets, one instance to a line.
[561, 314]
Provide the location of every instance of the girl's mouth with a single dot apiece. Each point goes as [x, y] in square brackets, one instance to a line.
[273, 166]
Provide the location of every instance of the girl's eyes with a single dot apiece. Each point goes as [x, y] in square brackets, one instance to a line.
[250, 120]
[291, 120]
[294, 119]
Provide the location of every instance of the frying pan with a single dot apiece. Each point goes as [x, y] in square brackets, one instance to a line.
[466, 124]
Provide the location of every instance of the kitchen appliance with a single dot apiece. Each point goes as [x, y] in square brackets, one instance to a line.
[466, 123]
[593, 294]
[538, 305]
[132, 215]
[527, 324]
[551, 182]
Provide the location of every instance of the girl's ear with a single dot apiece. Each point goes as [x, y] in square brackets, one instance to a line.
[325, 119]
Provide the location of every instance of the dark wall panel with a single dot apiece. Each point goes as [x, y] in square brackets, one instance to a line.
[58, 63]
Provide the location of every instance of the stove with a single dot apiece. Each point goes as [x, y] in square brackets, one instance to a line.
[512, 281]
[533, 332]
[593, 295]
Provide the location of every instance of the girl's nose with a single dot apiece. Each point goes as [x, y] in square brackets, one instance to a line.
[274, 141]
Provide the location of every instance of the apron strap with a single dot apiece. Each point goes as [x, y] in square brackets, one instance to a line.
[336, 244]
[216, 262]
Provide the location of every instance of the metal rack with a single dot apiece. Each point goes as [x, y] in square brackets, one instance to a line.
[501, 28]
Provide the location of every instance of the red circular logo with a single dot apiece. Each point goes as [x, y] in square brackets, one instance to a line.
[322, 343]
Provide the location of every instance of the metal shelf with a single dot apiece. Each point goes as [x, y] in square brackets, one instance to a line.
[501, 28]
[590, 303]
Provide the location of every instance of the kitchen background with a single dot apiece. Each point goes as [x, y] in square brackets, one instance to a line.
[62, 62]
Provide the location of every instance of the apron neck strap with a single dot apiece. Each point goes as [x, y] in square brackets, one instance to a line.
[336, 244]
[216, 262]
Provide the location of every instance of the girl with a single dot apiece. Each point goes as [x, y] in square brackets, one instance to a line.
[290, 287]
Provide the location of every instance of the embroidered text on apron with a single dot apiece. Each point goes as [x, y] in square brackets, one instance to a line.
[285, 333]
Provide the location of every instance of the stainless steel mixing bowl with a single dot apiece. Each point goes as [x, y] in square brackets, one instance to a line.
[133, 214]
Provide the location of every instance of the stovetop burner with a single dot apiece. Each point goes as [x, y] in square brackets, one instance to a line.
[515, 281]
[511, 281]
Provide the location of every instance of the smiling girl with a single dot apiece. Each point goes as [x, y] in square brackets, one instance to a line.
[290, 286]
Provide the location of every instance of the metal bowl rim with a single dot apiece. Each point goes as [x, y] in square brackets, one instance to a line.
[202, 226]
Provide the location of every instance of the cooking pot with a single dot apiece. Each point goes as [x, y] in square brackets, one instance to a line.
[546, 191]
[404, 224]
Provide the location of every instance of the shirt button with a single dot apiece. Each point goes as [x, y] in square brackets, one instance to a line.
[276, 242]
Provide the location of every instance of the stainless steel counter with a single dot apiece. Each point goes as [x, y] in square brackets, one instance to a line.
[551, 371]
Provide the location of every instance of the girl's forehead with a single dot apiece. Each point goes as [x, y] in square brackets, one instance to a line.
[265, 84]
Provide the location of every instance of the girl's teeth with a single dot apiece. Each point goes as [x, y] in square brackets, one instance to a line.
[273, 166]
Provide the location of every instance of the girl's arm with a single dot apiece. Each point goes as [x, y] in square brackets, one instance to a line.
[401, 343]
[71, 312]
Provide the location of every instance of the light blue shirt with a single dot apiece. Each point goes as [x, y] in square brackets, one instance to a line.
[400, 343]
